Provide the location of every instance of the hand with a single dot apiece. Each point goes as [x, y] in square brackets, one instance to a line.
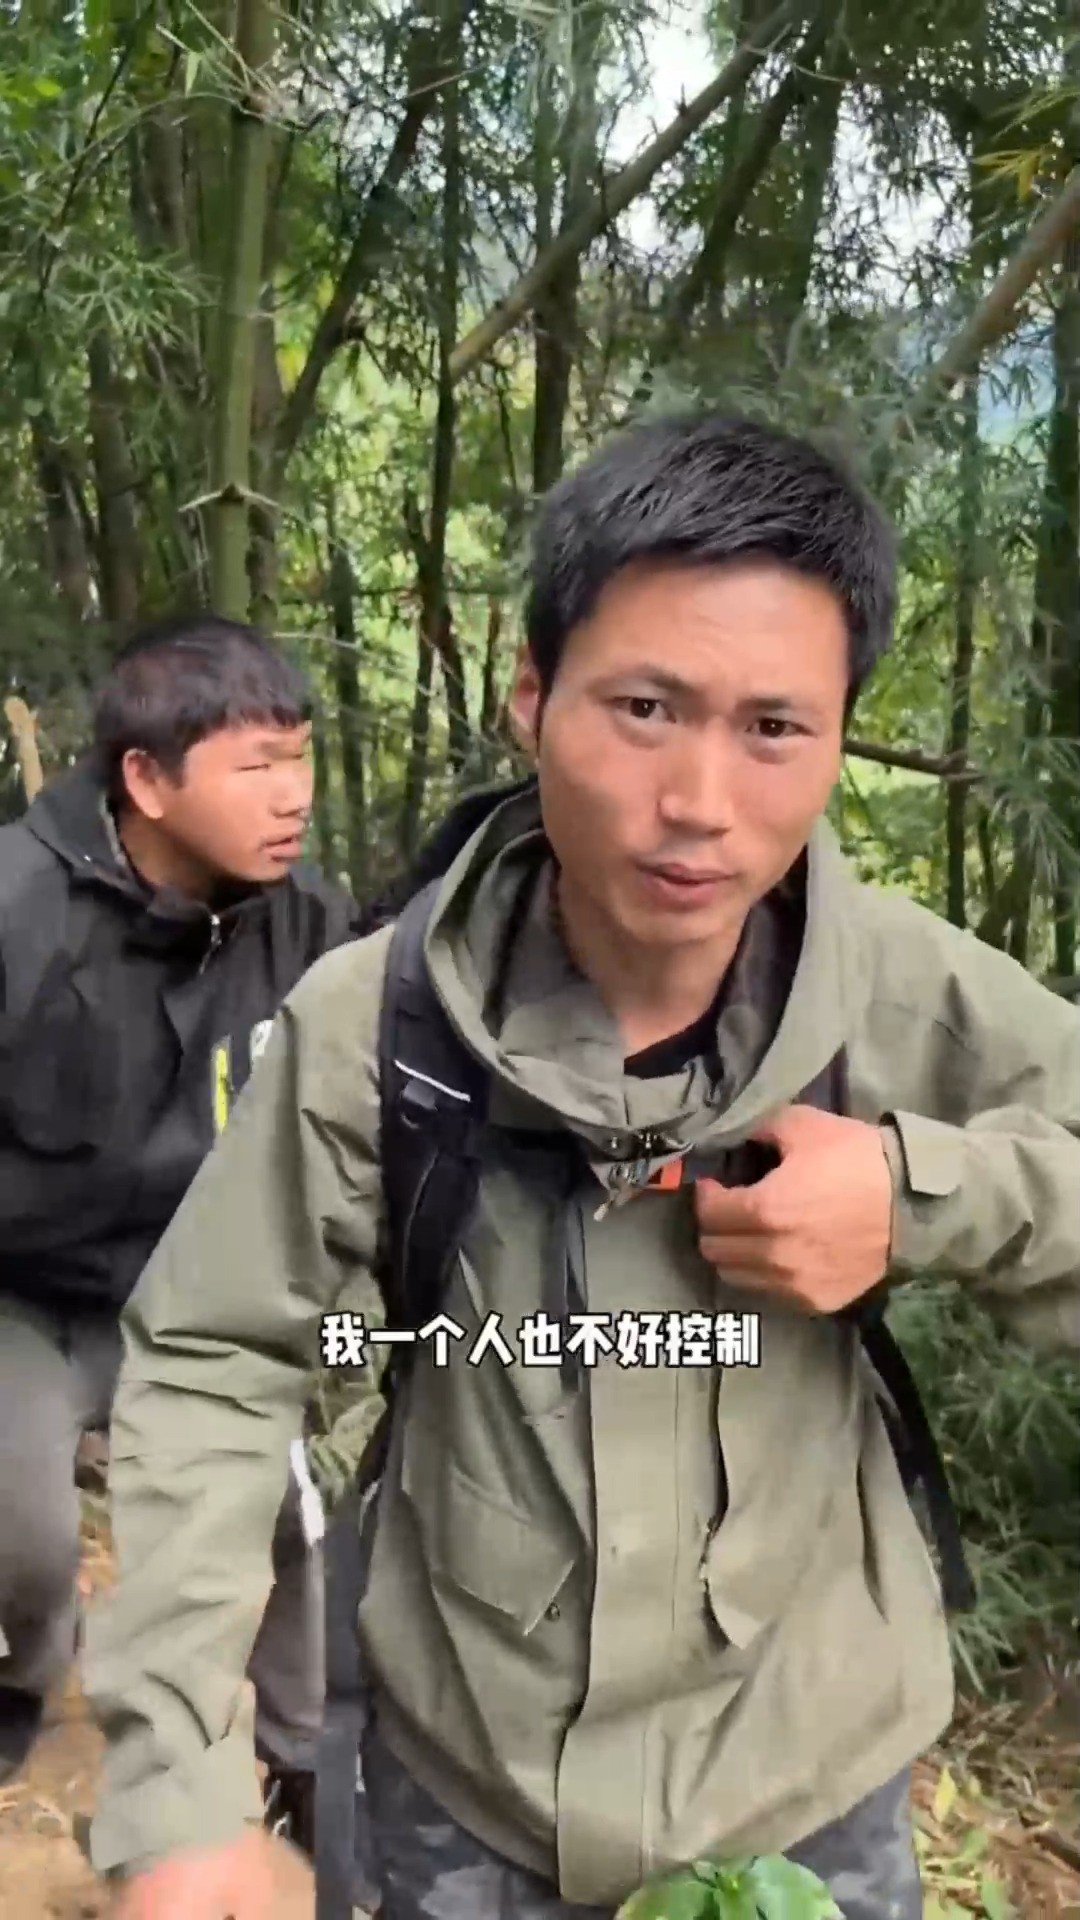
[256, 1877]
[816, 1230]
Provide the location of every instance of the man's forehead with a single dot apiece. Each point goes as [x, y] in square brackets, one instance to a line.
[741, 592]
[267, 734]
[763, 649]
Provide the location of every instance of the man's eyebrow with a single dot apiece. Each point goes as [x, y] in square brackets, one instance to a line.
[665, 681]
[660, 677]
[775, 703]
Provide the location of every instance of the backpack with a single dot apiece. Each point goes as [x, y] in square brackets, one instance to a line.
[435, 1141]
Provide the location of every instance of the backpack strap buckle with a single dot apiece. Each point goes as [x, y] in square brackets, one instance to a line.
[423, 1100]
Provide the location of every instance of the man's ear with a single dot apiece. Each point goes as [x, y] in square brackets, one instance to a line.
[524, 704]
[144, 783]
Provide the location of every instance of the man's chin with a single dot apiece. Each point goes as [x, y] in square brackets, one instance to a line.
[275, 869]
[685, 925]
[263, 870]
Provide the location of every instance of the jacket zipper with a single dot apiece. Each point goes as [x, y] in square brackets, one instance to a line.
[629, 1176]
[214, 943]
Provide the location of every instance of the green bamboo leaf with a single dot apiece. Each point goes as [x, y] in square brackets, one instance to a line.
[782, 1890]
[679, 1898]
[995, 1900]
[709, 1871]
[974, 1846]
[96, 22]
[739, 1903]
[723, 1873]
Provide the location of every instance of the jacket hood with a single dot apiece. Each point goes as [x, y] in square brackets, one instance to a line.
[517, 1001]
[68, 816]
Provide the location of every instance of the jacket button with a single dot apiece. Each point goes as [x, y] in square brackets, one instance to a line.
[552, 1612]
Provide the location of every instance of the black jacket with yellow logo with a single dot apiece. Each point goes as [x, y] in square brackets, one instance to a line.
[128, 1022]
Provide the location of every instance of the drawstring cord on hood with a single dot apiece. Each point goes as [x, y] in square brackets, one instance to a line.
[566, 1283]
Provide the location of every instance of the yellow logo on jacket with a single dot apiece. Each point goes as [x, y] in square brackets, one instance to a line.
[224, 1086]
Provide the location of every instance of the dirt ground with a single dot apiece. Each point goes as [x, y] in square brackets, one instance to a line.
[997, 1814]
[43, 1872]
[41, 1867]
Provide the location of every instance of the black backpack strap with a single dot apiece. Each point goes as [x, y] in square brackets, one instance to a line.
[909, 1429]
[343, 1852]
[433, 1106]
[432, 1098]
[889, 1361]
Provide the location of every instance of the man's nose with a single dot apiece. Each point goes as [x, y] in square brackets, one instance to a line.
[698, 789]
[292, 793]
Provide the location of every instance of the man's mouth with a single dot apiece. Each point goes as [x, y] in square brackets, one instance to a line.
[675, 884]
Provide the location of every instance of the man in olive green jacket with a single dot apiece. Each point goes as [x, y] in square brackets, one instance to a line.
[676, 1607]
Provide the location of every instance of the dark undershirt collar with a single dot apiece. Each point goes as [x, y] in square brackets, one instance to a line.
[680, 1050]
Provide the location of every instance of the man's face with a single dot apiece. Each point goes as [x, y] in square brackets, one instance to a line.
[239, 807]
[690, 741]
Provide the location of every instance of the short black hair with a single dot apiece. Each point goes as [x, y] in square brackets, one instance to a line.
[702, 490]
[180, 680]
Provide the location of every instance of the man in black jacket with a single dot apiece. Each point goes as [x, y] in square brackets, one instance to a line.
[152, 917]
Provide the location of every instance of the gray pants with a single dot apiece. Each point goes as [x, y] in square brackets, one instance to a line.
[57, 1377]
[429, 1868]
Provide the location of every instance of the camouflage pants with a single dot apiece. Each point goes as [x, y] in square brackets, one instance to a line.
[429, 1868]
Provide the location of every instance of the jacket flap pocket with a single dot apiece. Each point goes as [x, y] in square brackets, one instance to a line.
[482, 1547]
[753, 1565]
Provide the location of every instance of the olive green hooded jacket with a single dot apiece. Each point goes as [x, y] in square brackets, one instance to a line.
[678, 1609]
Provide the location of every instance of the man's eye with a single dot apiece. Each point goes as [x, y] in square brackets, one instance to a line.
[774, 729]
[640, 706]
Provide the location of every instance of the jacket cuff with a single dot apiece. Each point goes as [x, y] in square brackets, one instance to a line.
[206, 1804]
[926, 1161]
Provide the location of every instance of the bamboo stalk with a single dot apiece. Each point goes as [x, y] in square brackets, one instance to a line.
[24, 729]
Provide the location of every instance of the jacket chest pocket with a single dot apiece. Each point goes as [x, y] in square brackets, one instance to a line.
[59, 1066]
[477, 1547]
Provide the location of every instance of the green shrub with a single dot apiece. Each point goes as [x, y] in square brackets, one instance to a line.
[1007, 1420]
